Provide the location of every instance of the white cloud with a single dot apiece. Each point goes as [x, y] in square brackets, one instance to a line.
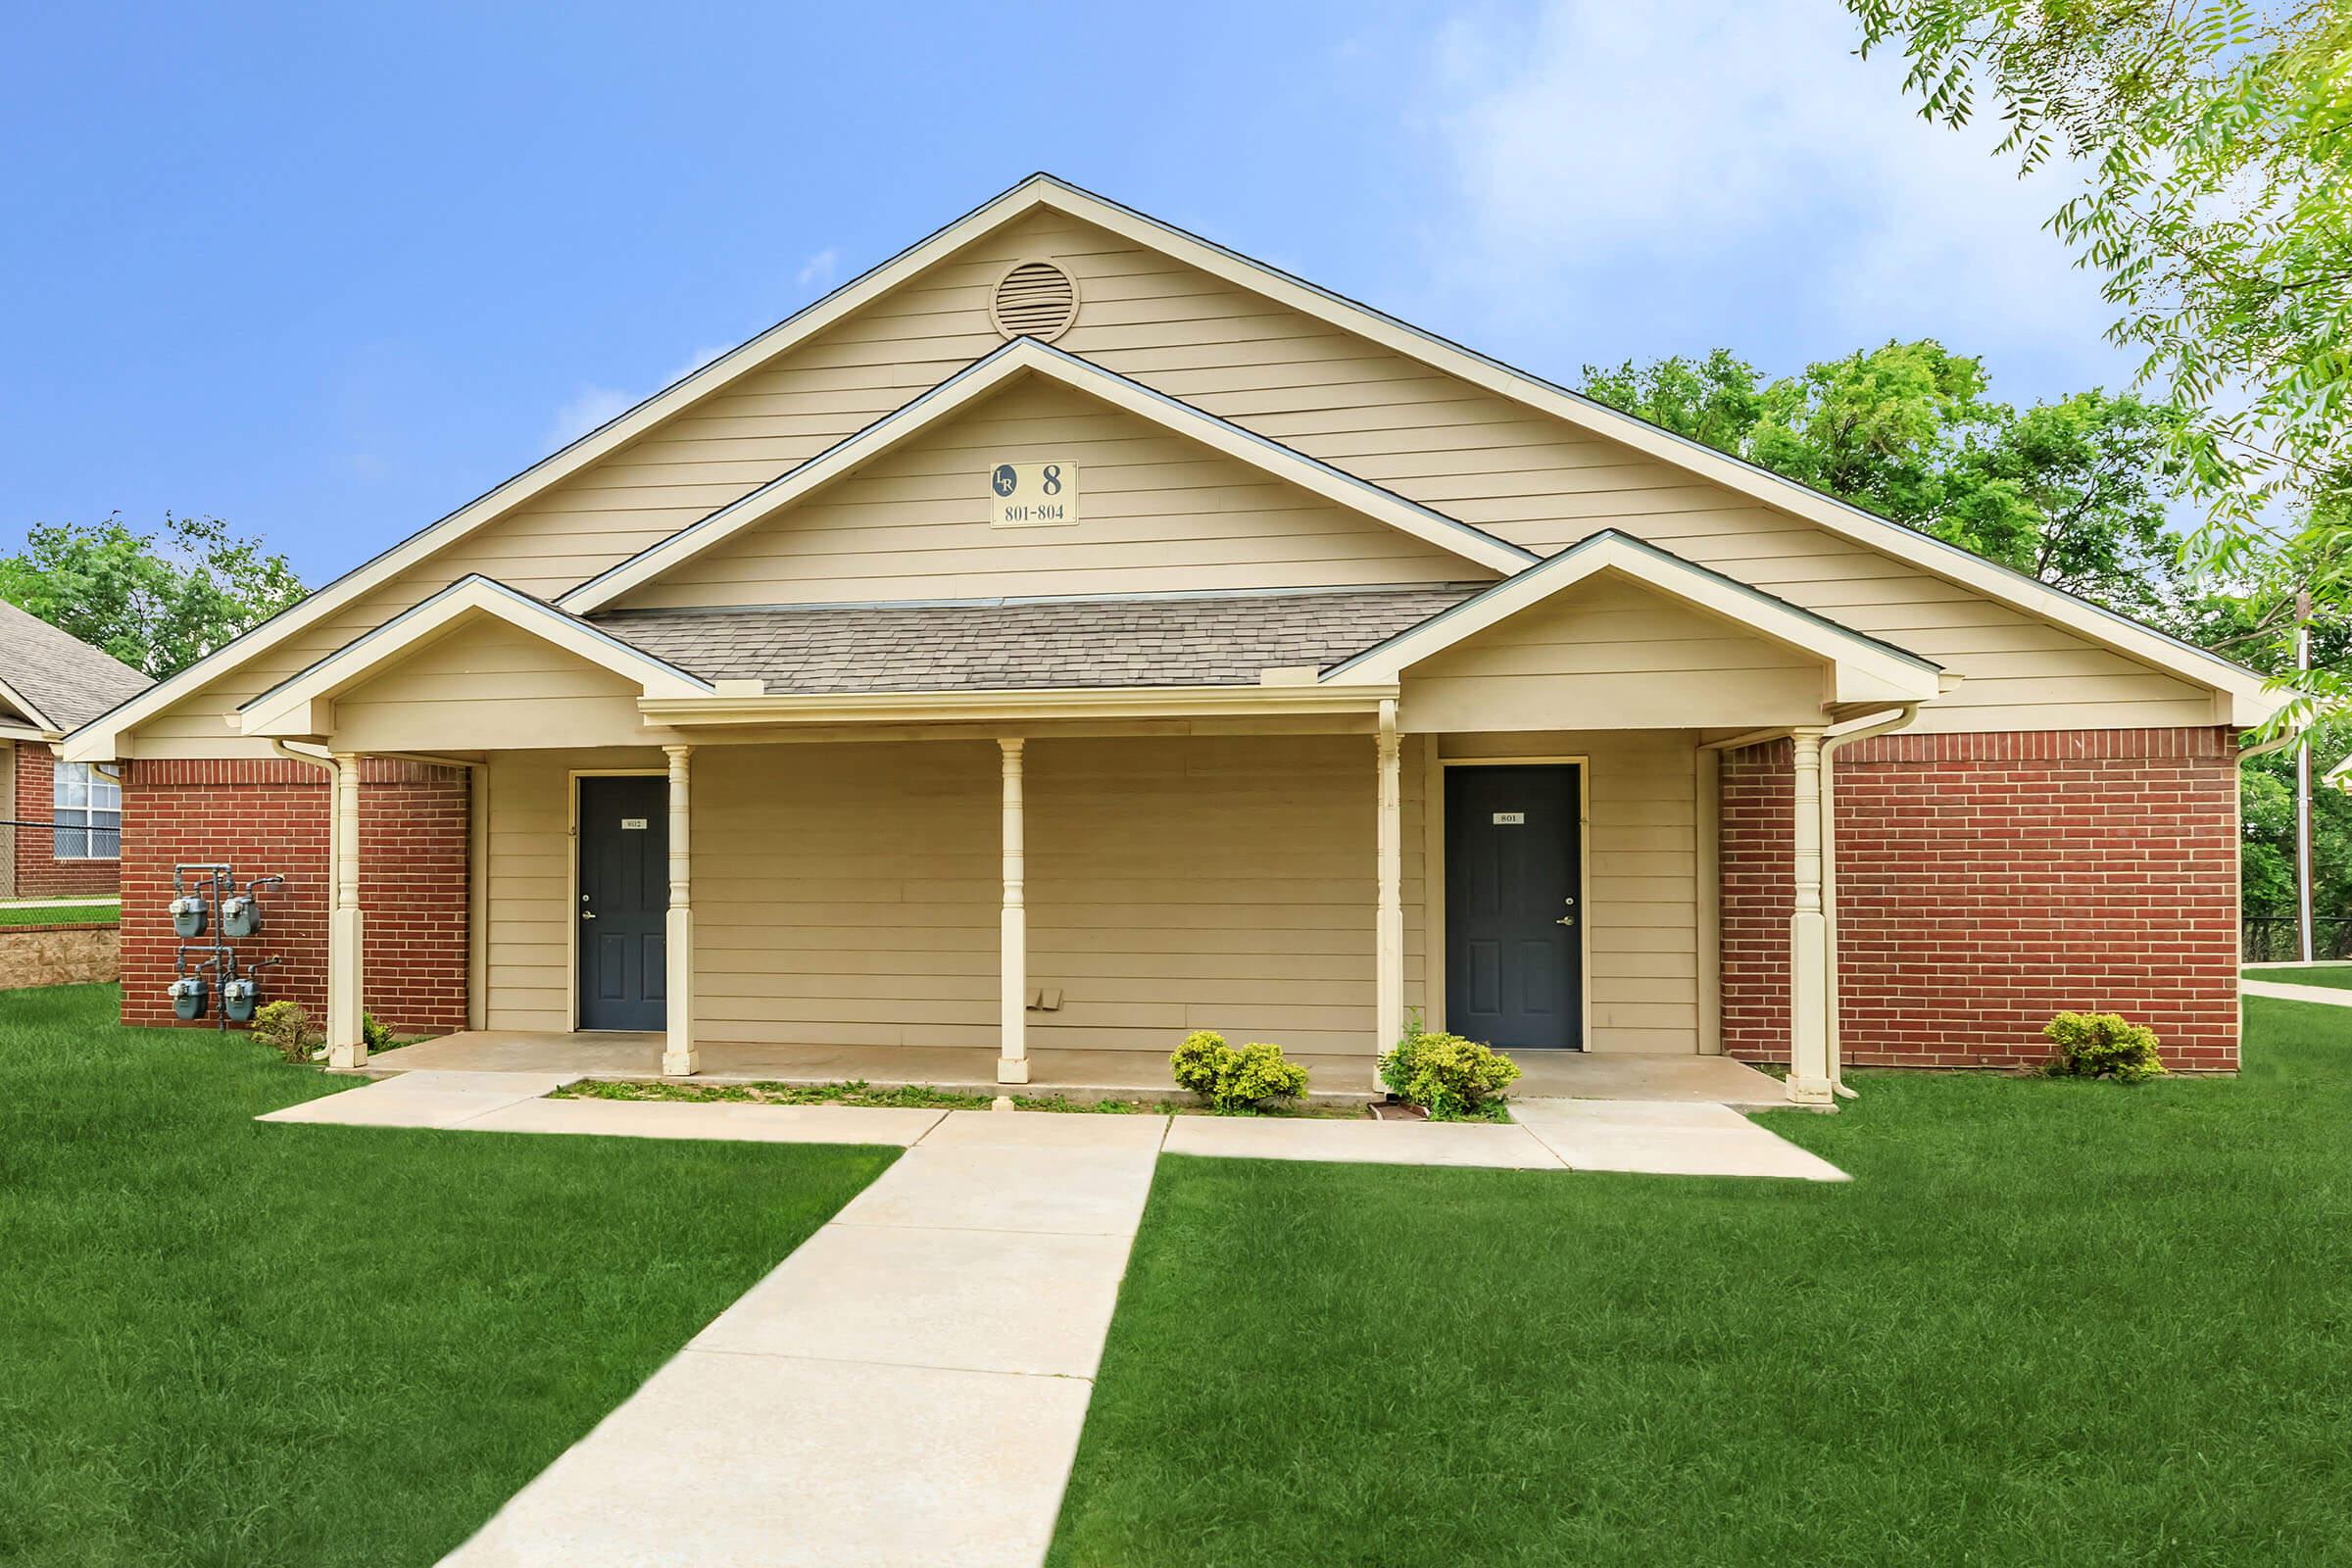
[818, 269]
[1722, 162]
[588, 408]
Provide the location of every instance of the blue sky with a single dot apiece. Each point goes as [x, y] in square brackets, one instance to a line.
[330, 271]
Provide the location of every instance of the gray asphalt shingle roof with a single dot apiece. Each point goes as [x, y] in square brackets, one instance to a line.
[67, 679]
[1016, 645]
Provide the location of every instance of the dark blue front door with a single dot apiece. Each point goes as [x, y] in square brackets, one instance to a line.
[624, 898]
[1515, 942]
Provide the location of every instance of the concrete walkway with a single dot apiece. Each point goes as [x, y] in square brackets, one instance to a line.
[908, 1386]
[2288, 991]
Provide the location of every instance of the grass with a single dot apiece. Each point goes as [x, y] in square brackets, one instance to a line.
[60, 914]
[234, 1343]
[912, 1096]
[2336, 975]
[2049, 1322]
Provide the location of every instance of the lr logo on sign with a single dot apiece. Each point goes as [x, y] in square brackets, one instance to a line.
[1033, 495]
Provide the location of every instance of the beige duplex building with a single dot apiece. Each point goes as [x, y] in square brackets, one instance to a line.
[1073, 633]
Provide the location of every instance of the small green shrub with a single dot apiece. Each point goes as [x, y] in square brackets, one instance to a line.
[2103, 1044]
[1230, 1080]
[377, 1036]
[285, 1028]
[1452, 1078]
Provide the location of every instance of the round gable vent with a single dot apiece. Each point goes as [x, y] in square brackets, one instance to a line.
[1035, 299]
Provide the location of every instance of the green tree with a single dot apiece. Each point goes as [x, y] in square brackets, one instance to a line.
[156, 600]
[2207, 143]
[2071, 492]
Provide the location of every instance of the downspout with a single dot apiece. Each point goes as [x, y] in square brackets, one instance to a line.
[1833, 740]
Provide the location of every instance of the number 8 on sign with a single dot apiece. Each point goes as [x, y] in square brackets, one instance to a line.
[1031, 494]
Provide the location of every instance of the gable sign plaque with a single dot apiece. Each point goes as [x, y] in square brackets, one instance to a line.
[1031, 494]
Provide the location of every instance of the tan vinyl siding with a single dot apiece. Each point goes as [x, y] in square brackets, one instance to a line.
[1642, 859]
[1157, 512]
[1376, 414]
[1608, 653]
[489, 686]
[849, 895]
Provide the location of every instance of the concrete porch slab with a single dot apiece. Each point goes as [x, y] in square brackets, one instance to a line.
[1078, 1074]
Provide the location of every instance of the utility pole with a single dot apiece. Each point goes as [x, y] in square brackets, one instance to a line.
[2303, 782]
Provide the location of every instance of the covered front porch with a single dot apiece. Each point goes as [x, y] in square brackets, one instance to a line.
[1499, 818]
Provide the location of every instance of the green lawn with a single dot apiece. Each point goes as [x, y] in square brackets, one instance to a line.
[2050, 1322]
[2338, 975]
[61, 913]
[228, 1344]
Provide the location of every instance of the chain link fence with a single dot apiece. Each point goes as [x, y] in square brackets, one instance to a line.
[2270, 938]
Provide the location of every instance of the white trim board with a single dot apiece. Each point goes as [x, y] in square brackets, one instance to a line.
[1025, 357]
[2249, 701]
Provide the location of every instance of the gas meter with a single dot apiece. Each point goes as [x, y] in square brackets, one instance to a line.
[187, 996]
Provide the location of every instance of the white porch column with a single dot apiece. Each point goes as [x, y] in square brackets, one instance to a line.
[1808, 937]
[677, 1050]
[346, 1045]
[1013, 1015]
[1388, 919]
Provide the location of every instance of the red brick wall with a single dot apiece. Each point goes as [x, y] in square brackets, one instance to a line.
[271, 816]
[40, 872]
[1987, 881]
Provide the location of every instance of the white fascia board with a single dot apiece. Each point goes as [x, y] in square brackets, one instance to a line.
[26, 733]
[1864, 669]
[985, 376]
[294, 707]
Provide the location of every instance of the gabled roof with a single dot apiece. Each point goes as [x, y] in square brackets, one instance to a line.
[1865, 669]
[1026, 357]
[1041, 190]
[288, 708]
[53, 678]
[1059, 643]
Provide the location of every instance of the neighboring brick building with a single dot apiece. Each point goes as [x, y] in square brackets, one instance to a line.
[50, 684]
[1074, 633]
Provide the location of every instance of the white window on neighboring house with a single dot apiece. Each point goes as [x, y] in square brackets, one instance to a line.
[87, 809]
